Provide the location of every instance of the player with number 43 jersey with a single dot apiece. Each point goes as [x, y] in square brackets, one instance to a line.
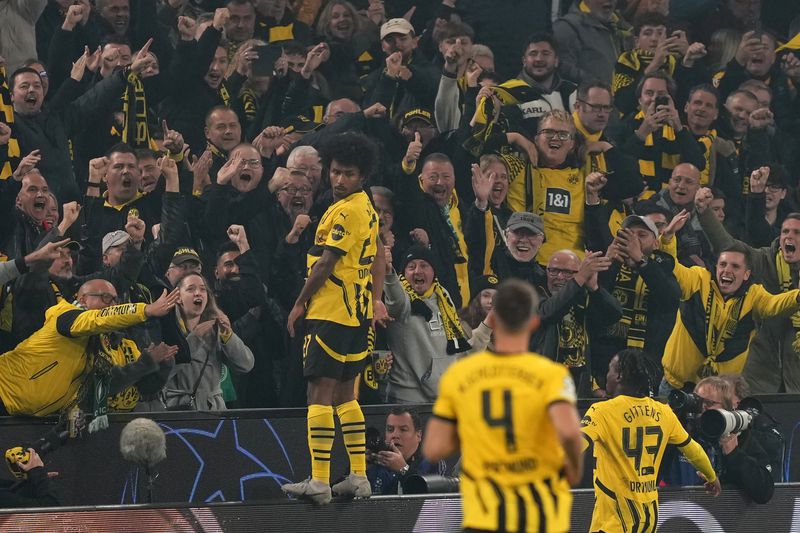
[630, 433]
[513, 415]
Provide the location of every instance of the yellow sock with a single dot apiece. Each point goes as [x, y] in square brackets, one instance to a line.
[355, 440]
[321, 431]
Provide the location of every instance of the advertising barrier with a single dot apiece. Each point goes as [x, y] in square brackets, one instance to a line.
[234, 456]
[682, 511]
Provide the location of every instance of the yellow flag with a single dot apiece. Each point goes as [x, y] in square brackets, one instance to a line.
[793, 44]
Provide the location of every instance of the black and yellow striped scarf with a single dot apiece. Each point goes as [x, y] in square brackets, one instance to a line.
[249, 101]
[135, 129]
[456, 340]
[652, 155]
[707, 174]
[12, 155]
[512, 92]
[595, 162]
[631, 292]
[224, 94]
[630, 64]
[785, 280]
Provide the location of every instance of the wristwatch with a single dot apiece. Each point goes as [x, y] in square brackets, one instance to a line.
[404, 470]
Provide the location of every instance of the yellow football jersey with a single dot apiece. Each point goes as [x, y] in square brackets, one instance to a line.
[630, 435]
[512, 460]
[559, 199]
[349, 228]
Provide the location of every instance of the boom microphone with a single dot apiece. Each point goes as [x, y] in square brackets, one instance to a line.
[143, 442]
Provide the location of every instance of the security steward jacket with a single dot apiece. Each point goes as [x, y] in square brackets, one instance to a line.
[712, 334]
[43, 373]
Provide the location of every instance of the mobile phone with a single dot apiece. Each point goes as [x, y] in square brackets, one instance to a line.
[662, 100]
[267, 56]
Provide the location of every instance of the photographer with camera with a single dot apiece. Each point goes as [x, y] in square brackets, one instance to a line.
[398, 456]
[736, 454]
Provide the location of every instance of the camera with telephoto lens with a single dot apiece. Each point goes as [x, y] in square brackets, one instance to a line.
[716, 423]
[687, 405]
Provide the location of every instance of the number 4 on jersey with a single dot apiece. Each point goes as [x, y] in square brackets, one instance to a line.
[505, 420]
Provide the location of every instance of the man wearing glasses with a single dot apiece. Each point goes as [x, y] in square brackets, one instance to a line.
[571, 301]
[45, 372]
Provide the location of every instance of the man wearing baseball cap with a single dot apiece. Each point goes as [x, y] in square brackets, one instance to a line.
[515, 257]
[640, 274]
[408, 80]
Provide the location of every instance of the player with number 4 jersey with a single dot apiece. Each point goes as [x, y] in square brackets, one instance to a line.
[513, 415]
[630, 433]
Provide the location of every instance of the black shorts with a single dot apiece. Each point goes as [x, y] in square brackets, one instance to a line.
[331, 350]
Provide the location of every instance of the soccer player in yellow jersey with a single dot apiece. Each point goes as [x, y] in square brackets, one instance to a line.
[512, 413]
[337, 303]
[630, 432]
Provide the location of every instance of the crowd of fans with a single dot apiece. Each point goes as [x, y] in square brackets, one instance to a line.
[162, 181]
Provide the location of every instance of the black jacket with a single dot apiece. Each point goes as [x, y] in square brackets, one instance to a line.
[191, 97]
[51, 129]
[662, 306]
[425, 213]
[400, 96]
[36, 491]
[595, 310]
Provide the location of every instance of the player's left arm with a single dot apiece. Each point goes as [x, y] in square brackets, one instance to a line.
[561, 398]
[565, 418]
[321, 271]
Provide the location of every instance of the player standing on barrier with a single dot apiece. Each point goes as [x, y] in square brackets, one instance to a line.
[513, 415]
[338, 314]
[630, 433]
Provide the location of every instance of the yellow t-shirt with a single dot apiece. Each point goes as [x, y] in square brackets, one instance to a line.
[630, 435]
[349, 228]
[512, 460]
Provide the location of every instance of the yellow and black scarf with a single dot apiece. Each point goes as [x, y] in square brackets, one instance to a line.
[652, 155]
[631, 292]
[785, 280]
[456, 340]
[12, 155]
[631, 64]
[715, 338]
[512, 92]
[707, 174]
[135, 130]
[224, 94]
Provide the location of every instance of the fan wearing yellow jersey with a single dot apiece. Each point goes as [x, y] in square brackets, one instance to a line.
[337, 301]
[630, 433]
[512, 413]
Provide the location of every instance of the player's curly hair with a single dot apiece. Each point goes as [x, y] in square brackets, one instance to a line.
[351, 149]
[636, 371]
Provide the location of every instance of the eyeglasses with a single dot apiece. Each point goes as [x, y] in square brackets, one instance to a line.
[106, 297]
[252, 163]
[297, 191]
[559, 135]
[556, 272]
[597, 108]
[775, 188]
[708, 404]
